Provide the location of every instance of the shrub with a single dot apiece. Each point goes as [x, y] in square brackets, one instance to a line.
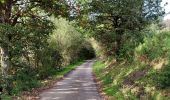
[46, 71]
[24, 80]
[129, 42]
[155, 47]
[163, 80]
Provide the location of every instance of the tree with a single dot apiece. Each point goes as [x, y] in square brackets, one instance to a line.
[67, 40]
[17, 13]
[121, 16]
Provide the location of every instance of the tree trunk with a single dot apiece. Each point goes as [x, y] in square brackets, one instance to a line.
[119, 34]
[4, 61]
[6, 7]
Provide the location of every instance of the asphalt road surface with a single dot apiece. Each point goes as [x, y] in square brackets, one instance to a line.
[78, 85]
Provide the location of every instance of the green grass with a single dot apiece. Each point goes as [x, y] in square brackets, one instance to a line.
[67, 69]
[113, 77]
[5, 97]
[112, 80]
[107, 80]
[98, 68]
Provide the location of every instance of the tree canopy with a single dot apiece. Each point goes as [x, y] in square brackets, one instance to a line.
[116, 20]
[39, 37]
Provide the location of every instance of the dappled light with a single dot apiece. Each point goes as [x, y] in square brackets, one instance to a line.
[78, 85]
[84, 50]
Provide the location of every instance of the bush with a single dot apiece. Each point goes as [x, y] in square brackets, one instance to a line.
[129, 42]
[155, 47]
[46, 72]
[163, 80]
[24, 80]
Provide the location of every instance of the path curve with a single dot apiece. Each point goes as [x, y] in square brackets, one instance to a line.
[78, 85]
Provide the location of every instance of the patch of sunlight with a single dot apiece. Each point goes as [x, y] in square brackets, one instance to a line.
[45, 81]
[159, 63]
[123, 63]
[128, 72]
[139, 48]
[56, 98]
[110, 63]
[115, 81]
[67, 92]
[159, 96]
[100, 26]
[87, 84]
[50, 92]
[149, 89]
[68, 89]
[83, 68]
[125, 90]
[119, 77]
[135, 90]
[46, 98]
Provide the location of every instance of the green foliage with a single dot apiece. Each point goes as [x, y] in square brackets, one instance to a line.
[112, 90]
[24, 48]
[155, 82]
[46, 71]
[69, 42]
[24, 80]
[163, 77]
[106, 78]
[69, 68]
[155, 46]
[117, 25]
[129, 43]
[36, 48]
[35, 54]
[98, 67]
[5, 97]
[51, 61]
[22, 43]
[31, 54]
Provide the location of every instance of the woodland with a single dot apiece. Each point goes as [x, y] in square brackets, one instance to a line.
[41, 40]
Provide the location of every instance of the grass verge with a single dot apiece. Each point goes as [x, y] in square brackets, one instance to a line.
[126, 81]
[33, 94]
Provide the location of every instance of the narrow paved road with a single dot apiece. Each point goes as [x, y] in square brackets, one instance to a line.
[78, 85]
